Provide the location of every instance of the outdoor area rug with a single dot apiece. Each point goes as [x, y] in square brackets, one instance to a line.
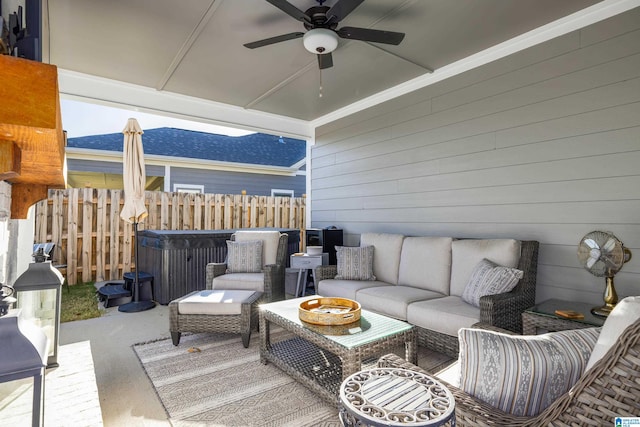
[212, 380]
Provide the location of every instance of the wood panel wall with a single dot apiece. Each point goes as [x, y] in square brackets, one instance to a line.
[542, 145]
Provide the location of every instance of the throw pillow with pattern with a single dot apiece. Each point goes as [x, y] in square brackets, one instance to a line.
[489, 278]
[244, 257]
[355, 263]
[523, 375]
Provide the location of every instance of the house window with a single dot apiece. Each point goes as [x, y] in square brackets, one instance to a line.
[281, 193]
[188, 188]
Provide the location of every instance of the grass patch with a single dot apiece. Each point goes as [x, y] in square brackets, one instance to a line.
[79, 302]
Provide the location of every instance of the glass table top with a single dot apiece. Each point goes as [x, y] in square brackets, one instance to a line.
[371, 326]
[548, 308]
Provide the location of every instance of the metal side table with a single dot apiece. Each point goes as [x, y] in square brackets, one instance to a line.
[395, 397]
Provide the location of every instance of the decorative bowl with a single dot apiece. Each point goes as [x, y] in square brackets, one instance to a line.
[314, 250]
[329, 311]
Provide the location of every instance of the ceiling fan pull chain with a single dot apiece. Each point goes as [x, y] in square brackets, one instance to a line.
[320, 90]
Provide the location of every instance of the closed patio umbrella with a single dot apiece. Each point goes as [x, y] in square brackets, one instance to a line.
[134, 210]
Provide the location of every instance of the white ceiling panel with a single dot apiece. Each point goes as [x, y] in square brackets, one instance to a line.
[195, 47]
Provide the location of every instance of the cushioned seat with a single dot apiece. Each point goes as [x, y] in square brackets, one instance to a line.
[393, 300]
[232, 311]
[443, 315]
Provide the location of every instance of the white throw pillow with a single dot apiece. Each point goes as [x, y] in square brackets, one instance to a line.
[355, 263]
[489, 278]
[244, 257]
[625, 313]
[522, 375]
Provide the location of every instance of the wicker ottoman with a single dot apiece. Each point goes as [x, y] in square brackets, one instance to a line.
[214, 311]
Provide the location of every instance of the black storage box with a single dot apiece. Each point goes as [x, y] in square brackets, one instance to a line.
[177, 259]
[328, 238]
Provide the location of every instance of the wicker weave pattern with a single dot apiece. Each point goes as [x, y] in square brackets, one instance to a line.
[234, 323]
[610, 389]
[274, 274]
[318, 362]
[531, 322]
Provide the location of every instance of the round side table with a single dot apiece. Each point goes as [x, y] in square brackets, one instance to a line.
[395, 397]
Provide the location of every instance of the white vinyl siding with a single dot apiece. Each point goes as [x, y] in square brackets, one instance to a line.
[541, 145]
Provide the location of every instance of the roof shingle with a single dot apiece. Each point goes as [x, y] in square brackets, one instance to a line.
[256, 148]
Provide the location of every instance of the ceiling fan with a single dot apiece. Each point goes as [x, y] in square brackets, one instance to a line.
[322, 35]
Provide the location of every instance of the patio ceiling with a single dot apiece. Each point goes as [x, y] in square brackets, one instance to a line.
[195, 48]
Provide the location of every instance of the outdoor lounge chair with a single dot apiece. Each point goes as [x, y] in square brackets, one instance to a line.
[269, 281]
[608, 390]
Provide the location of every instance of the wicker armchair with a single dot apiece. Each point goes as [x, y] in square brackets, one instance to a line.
[502, 310]
[274, 274]
[608, 390]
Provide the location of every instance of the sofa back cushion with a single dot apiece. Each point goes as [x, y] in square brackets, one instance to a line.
[466, 254]
[386, 255]
[425, 262]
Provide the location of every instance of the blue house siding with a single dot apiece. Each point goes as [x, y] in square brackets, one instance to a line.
[225, 182]
[108, 167]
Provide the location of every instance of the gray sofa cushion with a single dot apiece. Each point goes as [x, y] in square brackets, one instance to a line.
[445, 315]
[425, 263]
[393, 300]
[386, 256]
[345, 288]
[467, 253]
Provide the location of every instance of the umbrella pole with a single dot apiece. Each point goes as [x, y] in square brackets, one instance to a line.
[136, 305]
[136, 283]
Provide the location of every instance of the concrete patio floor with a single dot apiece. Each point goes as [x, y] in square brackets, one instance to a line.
[100, 381]
[126, 395]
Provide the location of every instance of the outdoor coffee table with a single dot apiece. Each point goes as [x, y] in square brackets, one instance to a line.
[321, 357]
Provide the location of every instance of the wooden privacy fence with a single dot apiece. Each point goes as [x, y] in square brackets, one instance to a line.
[96, 245]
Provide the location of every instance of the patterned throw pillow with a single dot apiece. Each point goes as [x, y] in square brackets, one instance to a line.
[244, 257]
[522, 375]
[355, 263]
[489, 278]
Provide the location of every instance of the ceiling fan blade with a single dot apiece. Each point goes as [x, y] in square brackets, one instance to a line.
[272, 40]
[341, 9]
[289, 9]
[325, 61]
[369, 35]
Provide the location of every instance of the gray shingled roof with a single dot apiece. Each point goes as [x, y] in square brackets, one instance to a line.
[257, 148]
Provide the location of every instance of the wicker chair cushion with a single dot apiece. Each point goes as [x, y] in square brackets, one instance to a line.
[623, 315]
[488, 278]
[355, 263]
[445, 315]
[522, 375]
[393, 300]
[467, 253]
[239, 281]
[214, 302]
[345, 288]
[386, 257]
[270, 240]
[244, 257]
[425, 262]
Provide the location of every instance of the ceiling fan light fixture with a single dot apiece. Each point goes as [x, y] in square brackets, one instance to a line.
[320, 41]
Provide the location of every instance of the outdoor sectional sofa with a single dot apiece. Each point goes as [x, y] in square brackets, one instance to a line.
[421, 280]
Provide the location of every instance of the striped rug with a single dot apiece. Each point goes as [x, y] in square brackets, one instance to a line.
[212, 380]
